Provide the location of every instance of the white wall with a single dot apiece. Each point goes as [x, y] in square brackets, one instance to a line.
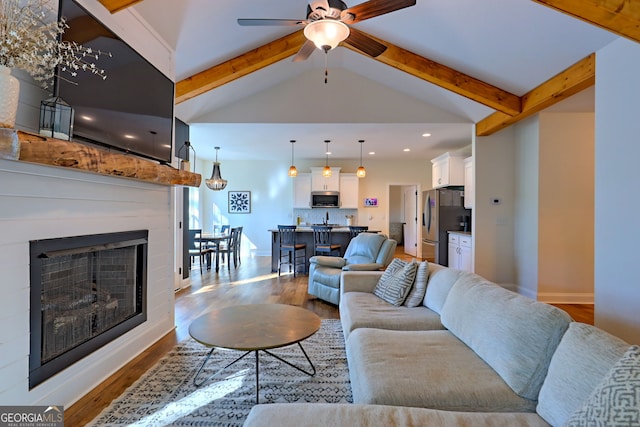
[565, 211]
[493, 225]
[272, 194]
[617, 179]
[38, 202]
[527, 165]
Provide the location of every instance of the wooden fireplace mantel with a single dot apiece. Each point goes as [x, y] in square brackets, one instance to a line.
[68, 154]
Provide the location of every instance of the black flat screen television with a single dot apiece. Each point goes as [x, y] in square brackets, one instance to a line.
[132, 109]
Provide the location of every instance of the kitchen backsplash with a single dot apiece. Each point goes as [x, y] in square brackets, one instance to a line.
[318, 216]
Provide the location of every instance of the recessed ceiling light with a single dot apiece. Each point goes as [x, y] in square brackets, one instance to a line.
[371, 153]
[406, 149]
[426, 135]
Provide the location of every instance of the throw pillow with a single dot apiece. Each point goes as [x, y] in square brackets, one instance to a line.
[419, 288]
[395, 284]
[616, 401]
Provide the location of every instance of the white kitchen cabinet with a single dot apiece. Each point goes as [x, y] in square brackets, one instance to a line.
[447, 170]
[460, 251]
[349, 183]
[321, 183]
[302, 191]
[469, 184]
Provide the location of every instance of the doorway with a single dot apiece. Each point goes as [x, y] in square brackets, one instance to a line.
[403, 217]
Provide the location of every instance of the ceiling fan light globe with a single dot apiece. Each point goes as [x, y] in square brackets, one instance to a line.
[326, 34]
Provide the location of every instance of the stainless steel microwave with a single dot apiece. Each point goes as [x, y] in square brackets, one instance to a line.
[325, 199]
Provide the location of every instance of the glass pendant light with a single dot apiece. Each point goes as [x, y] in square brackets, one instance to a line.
[361, 172]
[326, 171]
[216, 183]
[293, 172]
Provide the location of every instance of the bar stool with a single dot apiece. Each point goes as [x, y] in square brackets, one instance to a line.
[322, 241]
[295, 253]
[354, 230]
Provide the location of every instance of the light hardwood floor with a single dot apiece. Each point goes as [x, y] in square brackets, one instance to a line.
[251, 283]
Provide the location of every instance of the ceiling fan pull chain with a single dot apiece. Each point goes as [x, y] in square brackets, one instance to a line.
[326, 69]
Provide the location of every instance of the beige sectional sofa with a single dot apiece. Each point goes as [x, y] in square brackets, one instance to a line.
[472, 354]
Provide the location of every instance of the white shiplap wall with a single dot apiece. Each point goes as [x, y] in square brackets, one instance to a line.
[38, 202]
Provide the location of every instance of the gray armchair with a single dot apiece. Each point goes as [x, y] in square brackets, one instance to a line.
[366, 251]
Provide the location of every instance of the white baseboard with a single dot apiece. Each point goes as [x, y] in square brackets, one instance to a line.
[566, 298]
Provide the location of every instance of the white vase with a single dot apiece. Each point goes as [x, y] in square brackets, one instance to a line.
[9, 95]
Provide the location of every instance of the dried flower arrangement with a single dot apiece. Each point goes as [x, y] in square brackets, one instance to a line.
[30, 43]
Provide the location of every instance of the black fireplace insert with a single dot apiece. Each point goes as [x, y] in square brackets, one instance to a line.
[85, 292]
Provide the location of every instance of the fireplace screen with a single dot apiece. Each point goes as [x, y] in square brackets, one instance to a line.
[85, 291]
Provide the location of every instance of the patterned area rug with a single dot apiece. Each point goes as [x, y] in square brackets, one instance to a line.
[166, 396]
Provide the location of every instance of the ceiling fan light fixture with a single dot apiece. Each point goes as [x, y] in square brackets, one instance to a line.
[326, 34]
[293, 172]
[361, 172]
[216, 183]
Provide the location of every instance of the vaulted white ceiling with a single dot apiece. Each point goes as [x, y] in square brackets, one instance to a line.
[512, 44]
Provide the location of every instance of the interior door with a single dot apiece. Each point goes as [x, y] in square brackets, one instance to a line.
[410, 197]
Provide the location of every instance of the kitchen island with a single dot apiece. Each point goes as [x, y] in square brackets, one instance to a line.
[340, 236]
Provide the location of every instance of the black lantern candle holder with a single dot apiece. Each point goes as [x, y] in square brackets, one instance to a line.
[56, 119]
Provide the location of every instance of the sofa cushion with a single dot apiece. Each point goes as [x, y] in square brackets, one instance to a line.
[441, 279]
[515, 335]
[419, 287]
[396, 281]
[348, 415]
[581, 361]
[616, 401]
[365, 310]
[427, 369]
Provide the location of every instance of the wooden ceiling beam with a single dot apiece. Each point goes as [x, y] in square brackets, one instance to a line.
[574, 79]
[446, 77]
[114, 6]
[619, 16]
[239, 66]
[394, 56]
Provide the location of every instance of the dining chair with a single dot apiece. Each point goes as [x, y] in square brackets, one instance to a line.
[354, 230]
[238, 247]
[228, 248]
[294, 253]
[322, 244]
[196, 249]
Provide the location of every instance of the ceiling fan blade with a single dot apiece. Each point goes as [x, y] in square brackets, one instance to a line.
[305, 51]
[272, 22]
[364, 43]
[373, 8]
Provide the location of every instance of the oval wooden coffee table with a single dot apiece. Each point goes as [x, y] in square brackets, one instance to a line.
[253, 328]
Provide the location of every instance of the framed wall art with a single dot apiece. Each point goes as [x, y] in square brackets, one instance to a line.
[371, 202]
[239, 201]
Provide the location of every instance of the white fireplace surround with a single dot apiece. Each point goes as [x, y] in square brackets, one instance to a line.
[40, 202]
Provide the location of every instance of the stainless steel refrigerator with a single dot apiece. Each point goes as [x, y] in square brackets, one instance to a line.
[443, 210]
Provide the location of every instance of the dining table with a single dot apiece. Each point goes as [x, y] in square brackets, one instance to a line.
[213, 241]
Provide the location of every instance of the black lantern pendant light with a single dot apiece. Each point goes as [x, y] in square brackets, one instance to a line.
[326, 171]
[293, 172]
[216, 183]
[361, 172]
